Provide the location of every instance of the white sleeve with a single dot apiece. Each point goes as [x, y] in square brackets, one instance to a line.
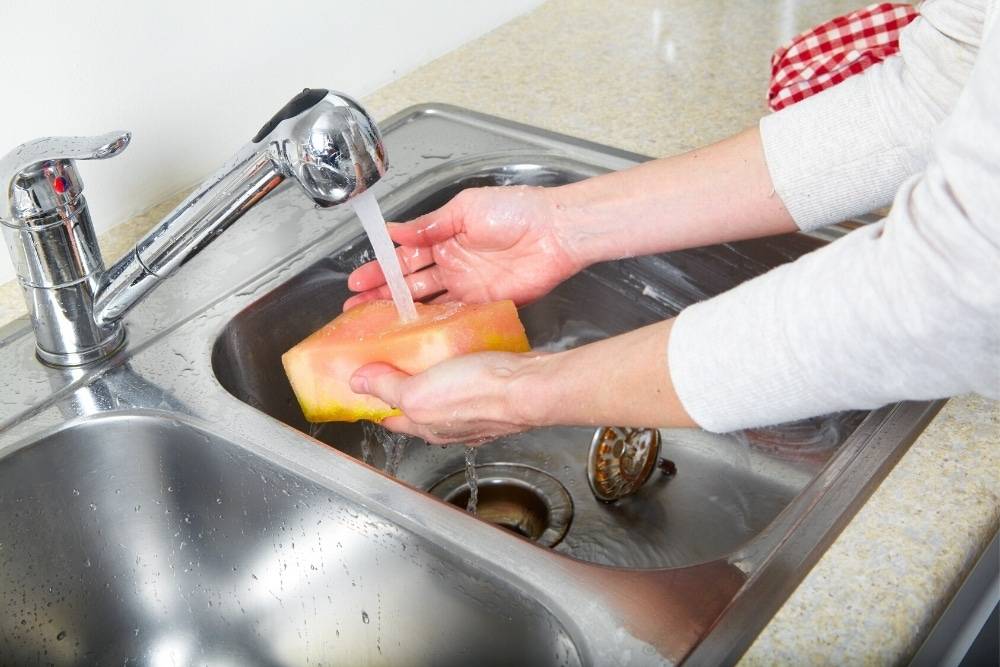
[908, 308]
[847, 150]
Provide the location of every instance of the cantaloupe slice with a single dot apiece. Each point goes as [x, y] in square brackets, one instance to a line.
[320, 367]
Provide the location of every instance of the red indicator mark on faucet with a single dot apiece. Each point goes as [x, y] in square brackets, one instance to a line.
[59, 184]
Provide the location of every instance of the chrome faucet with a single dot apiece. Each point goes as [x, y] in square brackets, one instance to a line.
[324, 140]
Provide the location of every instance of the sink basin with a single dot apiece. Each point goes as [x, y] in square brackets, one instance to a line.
[139, 539]
[727, 489]
[169, 505]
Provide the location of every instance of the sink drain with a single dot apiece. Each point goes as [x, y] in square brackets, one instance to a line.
[519, 498]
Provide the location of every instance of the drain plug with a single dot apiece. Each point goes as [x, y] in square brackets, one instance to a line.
[621, 460]
[516, 497]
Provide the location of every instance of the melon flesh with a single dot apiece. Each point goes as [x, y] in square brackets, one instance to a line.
[320, 367]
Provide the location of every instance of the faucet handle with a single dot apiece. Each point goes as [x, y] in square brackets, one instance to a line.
[38, 176]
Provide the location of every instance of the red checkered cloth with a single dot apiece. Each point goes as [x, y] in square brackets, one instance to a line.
[829, 53]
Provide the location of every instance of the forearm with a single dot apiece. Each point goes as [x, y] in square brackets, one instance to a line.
[847, 150]
[904, 309]
[716, 194]
[620, 381]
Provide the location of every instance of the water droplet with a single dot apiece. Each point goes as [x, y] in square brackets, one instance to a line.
[364, 617]
[61, 636]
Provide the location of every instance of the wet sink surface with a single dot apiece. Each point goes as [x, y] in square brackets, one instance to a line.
[143, 540]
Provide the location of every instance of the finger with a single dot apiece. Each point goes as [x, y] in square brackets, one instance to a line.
[401, 424]
[380, 380]
[359, 299]
[445, 297]
[430, 228]
[425, 284]
[469, 435]
[475, 437]
[422, 284]
[368, 276]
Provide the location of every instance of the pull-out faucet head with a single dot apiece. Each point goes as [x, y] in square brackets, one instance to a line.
[326, 142]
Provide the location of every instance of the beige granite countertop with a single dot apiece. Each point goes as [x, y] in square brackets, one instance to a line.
[660, 77]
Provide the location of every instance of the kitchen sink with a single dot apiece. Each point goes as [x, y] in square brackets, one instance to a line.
[170, 505]
[141, 538]
[728, 488]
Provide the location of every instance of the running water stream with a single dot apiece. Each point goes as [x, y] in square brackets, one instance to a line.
[368, 211]
[393, 444]
[369, 436]
[472, 479]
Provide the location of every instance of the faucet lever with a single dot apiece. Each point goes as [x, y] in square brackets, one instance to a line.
[37, 177]
[54, 246]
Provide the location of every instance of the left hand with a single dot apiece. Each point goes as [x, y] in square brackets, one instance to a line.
[466, 400]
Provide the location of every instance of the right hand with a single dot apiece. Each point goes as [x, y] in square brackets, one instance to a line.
[486, 244]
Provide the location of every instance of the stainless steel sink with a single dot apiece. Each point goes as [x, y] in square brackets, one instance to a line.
[728, 488]
[170, 504]
[141, 538]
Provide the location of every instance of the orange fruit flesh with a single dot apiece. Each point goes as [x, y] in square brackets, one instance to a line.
[320, 367]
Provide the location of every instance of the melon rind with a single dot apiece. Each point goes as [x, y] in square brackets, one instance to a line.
[319, 368]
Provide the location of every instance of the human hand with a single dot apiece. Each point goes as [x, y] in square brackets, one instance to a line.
[622, 380]
[486, 244]
[469, 399]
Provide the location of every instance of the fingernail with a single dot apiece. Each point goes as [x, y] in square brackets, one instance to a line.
[359, 385]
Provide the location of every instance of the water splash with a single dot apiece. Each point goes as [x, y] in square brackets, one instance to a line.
[472, 478]
[394, 445]
[315, 429]
[369, 437]
[368, 211]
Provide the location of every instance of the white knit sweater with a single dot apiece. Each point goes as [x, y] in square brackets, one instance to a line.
[907, 308]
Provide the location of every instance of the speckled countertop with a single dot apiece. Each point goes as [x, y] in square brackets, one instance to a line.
[661, 77]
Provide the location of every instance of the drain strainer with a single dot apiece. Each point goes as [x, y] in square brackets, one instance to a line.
[621, 460]
[519, 498]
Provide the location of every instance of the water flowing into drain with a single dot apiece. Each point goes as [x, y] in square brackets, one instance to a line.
[524, 500]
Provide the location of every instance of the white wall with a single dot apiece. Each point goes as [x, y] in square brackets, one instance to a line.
[195, 80]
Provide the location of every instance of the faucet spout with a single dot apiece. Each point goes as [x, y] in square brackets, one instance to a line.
[322, 140]
[196, 222]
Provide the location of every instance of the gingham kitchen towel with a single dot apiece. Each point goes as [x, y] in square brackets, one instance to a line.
[829, 53]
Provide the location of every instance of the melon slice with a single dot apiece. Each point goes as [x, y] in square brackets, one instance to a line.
[320, 367]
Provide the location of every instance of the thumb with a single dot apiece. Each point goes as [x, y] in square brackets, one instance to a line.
[380, 380]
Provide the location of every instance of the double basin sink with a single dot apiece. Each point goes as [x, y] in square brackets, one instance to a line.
[171, 505]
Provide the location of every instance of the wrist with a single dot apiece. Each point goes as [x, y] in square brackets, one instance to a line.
[574, 226]
[531, 392]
